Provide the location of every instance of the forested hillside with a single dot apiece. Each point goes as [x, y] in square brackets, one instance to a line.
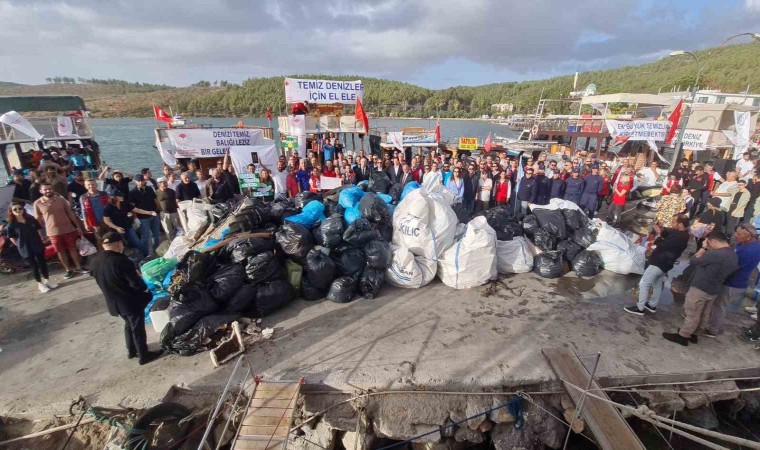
[731, 69]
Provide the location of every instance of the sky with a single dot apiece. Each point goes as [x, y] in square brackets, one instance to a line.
[431, 43]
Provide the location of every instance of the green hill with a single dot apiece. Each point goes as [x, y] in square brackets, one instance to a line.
[731, 69]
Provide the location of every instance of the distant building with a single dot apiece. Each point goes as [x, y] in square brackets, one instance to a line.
[716, 97]
[503, 107]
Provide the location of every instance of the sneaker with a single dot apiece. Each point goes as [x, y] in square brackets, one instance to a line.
[49, 284]
[43, 288]
[83, 271]
[651, 309]
[677, 338]
[149, 357]
[709, 334]
[68, 275]
[633, 310]
[750, 309]
[694, 339]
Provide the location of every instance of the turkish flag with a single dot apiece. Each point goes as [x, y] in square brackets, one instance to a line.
[161, 115]
[487, 144]
[674, 118]
[269, 114]
[438, 131]
[361, 115]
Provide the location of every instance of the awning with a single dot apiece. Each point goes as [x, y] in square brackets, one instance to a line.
[54, 103]
[640, 99]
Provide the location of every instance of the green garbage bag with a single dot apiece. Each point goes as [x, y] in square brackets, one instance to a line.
[295, 271]
[154, 271]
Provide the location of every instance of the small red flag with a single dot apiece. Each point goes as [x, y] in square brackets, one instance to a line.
[269, 114]
[361, 115]
[161, 115]
[674, 118]
[438, 131]
[487, 144]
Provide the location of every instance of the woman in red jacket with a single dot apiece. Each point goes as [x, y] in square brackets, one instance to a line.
[502, 190]
[619, 196]
[604, 190]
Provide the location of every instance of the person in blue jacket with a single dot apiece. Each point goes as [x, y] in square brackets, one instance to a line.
[542, 188]
[557, 186]
[591, 188]
[574, 187]
[526, 190]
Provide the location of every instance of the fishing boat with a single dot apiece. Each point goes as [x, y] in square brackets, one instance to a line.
[31, 125]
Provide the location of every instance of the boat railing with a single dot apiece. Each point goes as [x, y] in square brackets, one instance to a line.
[48, 127]
[325, 123]
[566, 125]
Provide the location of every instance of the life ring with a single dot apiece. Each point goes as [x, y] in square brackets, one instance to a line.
[534, 130]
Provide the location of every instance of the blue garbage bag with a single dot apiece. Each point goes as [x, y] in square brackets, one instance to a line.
[310, 214]
[167, 280]
[350, 196]
[352, 214]
[386, 198]
[409, 188]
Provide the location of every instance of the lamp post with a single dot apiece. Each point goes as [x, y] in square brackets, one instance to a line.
[700, 66]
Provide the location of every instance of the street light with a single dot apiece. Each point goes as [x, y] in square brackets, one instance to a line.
[700, 66]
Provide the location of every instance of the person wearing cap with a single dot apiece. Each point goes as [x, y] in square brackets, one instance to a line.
[745, 167]
[167, 201]
[543, 187]
[730, 299]
[117, 182]
[143, 201]
[557, 186]
[76, 189]
[92, 204]
[574, 187]
[592, 186]
[118, 216]
[62, 227]
[683, 172]
[125, 293]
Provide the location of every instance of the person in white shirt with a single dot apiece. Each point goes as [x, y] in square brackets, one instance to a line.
[202, 181]
[484, 194]
[745, 167]
[726, 190]
[648, 176]
[280, 178]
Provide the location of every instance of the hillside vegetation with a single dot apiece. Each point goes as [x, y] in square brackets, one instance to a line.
[731, 69]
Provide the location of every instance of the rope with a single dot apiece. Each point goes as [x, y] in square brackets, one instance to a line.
[527, 397]
[683, 383]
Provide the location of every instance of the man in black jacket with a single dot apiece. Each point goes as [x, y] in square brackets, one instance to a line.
[669, 246]
[526, 191]
[125, 293]
[362, 172]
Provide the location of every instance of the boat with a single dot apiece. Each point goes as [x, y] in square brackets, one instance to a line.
[178, 121]
[31, 125]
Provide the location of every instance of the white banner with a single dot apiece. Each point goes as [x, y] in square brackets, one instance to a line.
[65, 126]
[261, 155]
[327, 183]
[211, 142]
[19, 123]
[297, 128]
[742, 133]
[397, 139]
[695, 140]
[639, 130]
[323, 91]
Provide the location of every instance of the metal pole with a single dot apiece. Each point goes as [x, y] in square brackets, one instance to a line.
[583, 399]
[685, 120]
[219, 403]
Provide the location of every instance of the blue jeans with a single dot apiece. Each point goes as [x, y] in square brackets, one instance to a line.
[652, 278]
[130, 234]
[149, 227]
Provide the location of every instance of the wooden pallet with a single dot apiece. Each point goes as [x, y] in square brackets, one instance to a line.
[268, 417]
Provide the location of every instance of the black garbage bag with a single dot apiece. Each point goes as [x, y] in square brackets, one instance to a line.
[501, 220]
[242, 300]
[575, 219]
[463, 216]
[309, 292]
[272, 296]
[587, 263]
[182, 317]
[548, 264]
[219, 211]
[379, 182]
[530, 225]
[552, 221]
[193, 267]
[319, 269]
[263, 267]
[370, 282]
[343, 290]
[294, 240]
[303, 198]
[385, 230]
[280, 209]
[379, 255]
[584, 236]
[544, 240]
[360, 232]
[332, 207]
[240, 250]
[189, 306]
[351, 262]
[225, 281]
[374, 209]
[395, 193]
[194, 340]
[569, 249]
[331, 231]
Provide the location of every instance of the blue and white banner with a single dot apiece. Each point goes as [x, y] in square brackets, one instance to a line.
[323, 91]
[639, 130]
[211, 142]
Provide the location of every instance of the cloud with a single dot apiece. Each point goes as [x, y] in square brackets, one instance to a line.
[181, 42]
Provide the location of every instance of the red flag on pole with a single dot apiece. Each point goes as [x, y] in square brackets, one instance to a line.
[161, 115]
[438, 131]
[269, 114]
[487, 144]
[674, 118]
[361, 115]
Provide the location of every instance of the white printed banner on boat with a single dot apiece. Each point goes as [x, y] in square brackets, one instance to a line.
[211, 142]
[694, 140]
[323, 91]
[639, 130]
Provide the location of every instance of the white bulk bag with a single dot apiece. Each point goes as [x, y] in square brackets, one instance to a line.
[557, 203]
[515, 256]
[619, 253]
[409, 271]
[179, 246]
[471, 261]
[424, 224]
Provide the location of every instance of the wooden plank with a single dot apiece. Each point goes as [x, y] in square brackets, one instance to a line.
[290, 388]
[608, 426]
[264, 430]
[272, 403]
[270, 412]
[259, 445]
[266, 420]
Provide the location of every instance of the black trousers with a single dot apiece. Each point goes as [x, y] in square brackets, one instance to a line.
[134, 334]
[39, 266]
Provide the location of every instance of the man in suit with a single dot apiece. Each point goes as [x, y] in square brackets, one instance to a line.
[362, 172]
[406, 176]
[125, 293]
[395, 172]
